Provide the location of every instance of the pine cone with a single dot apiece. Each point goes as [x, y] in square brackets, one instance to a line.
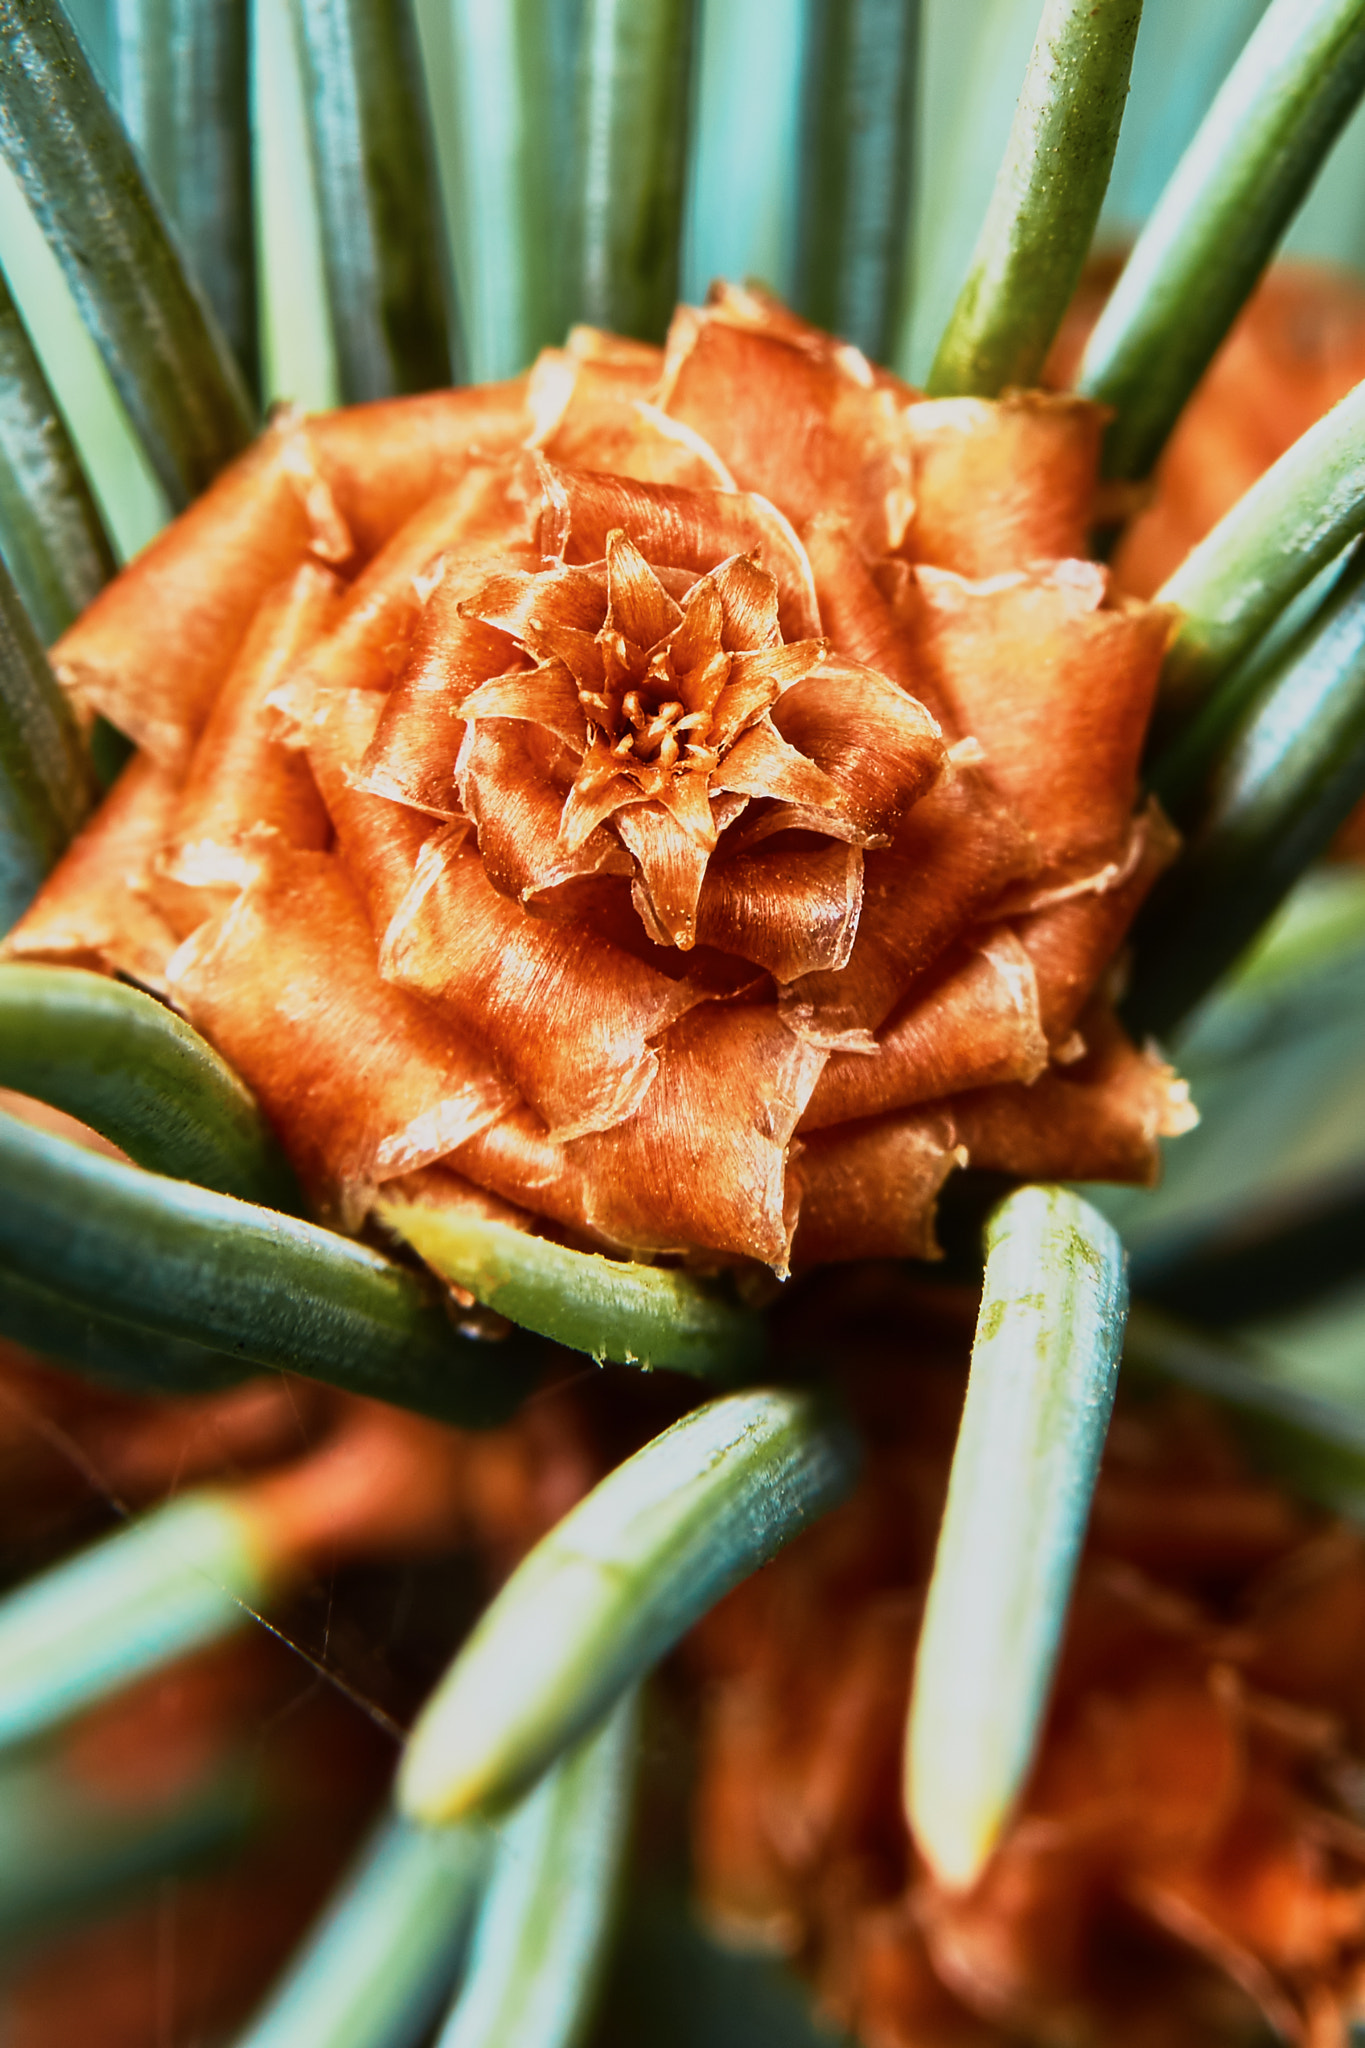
[704, 820]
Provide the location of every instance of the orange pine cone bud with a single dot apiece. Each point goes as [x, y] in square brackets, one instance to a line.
[704, 818]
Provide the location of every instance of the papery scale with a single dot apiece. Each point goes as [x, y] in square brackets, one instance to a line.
[654, 814]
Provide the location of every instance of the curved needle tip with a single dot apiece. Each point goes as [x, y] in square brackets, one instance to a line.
[1044, 1368]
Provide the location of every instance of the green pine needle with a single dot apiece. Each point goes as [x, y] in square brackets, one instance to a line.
[163, 349]
[1214, 228]
[179, 1578]
[51, 533]
[181, 69]
[512, 140]
[857, 165]
[141, 1077]
[106, 1348]
[1315, 1446]
[69, 1852]
[266, 1288]
[1043, 1375]
[1289, 526]
[374, 1970]
[609, 1591]
[1046, 200]
[612, 1309]
[1278, 788]
[543, 1926]
[46, 784]
[633, 97]
[380, 217]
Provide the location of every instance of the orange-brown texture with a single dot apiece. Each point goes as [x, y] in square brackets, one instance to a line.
[1189, 1850]
[665, 790]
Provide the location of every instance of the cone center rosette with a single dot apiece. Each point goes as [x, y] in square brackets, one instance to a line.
[682, 800]
[652, 708]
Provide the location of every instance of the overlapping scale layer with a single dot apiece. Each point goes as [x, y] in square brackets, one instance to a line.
[688, 793]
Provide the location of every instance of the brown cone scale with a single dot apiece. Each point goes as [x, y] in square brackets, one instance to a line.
[673, 793]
